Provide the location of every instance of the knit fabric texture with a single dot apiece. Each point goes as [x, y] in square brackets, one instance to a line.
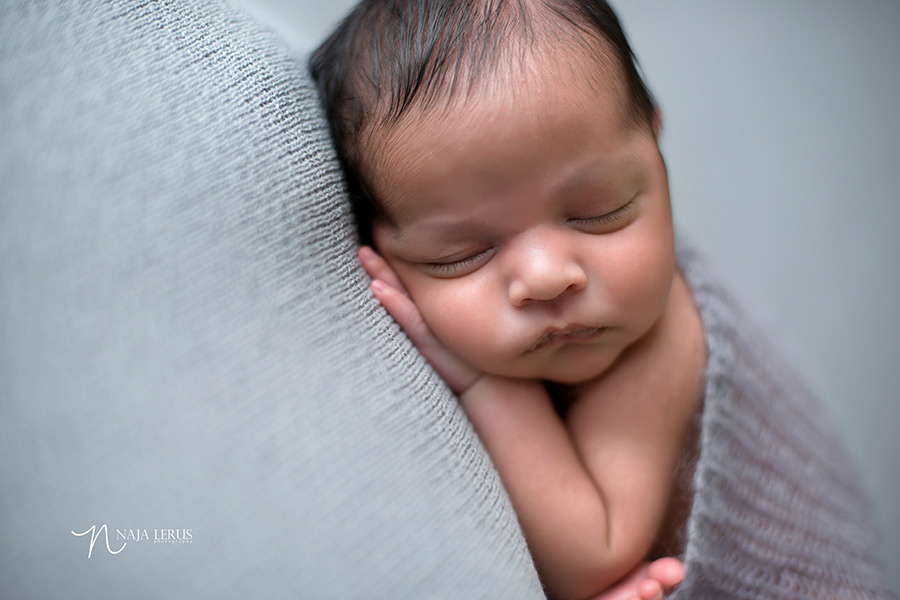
[779, 510]
[187, 341]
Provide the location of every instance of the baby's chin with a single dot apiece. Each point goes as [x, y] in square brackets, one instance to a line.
[575, 378]
[570, 373]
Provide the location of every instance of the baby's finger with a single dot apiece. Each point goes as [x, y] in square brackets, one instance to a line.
[378, 268]
[669, 572]
[404, 311]
[650, 589]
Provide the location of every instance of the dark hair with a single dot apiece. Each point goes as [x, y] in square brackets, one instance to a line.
[390, 55]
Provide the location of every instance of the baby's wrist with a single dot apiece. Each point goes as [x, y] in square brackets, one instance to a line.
[488, 385]
[467, 390]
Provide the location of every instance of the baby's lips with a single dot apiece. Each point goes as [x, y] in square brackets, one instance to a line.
[574, 333]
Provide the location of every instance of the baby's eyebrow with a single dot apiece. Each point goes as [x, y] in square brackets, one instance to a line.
[452, 229]
[603, 174]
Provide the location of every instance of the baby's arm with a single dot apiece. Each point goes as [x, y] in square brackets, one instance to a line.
[633, 425]
[592, 492]
[563, 511]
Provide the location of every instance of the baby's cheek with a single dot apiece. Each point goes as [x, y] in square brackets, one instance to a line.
[463, 321]
[450, 317]
[641, 289]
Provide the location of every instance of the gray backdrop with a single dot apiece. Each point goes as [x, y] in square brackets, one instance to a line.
[781, 137]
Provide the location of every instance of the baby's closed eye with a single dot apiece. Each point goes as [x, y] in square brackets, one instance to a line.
[457, 267]
[609, 221]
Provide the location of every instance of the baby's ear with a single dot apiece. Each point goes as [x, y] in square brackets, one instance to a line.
[657, 121]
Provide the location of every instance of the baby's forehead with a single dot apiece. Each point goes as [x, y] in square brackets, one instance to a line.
[537, 86]
[473, 143]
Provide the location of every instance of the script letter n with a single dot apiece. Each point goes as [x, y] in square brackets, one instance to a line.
[95, 533]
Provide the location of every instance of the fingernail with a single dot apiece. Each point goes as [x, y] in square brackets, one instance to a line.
[377, 286]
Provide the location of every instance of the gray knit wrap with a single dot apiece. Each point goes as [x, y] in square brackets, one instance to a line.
[779, 509]
[188, 343]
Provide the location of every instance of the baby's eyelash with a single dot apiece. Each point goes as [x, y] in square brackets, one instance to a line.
[457, 266]
[607, 218]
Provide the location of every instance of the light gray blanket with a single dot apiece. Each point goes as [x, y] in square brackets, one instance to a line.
[187, 342]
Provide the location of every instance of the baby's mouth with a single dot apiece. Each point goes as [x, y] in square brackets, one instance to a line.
[575, 334]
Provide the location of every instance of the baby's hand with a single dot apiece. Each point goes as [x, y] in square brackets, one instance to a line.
[389, 291]
[649, 581]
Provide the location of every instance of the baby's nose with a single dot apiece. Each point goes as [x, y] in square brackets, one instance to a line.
[543, 273]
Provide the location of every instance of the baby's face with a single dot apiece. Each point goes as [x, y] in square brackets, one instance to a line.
[530, 225]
